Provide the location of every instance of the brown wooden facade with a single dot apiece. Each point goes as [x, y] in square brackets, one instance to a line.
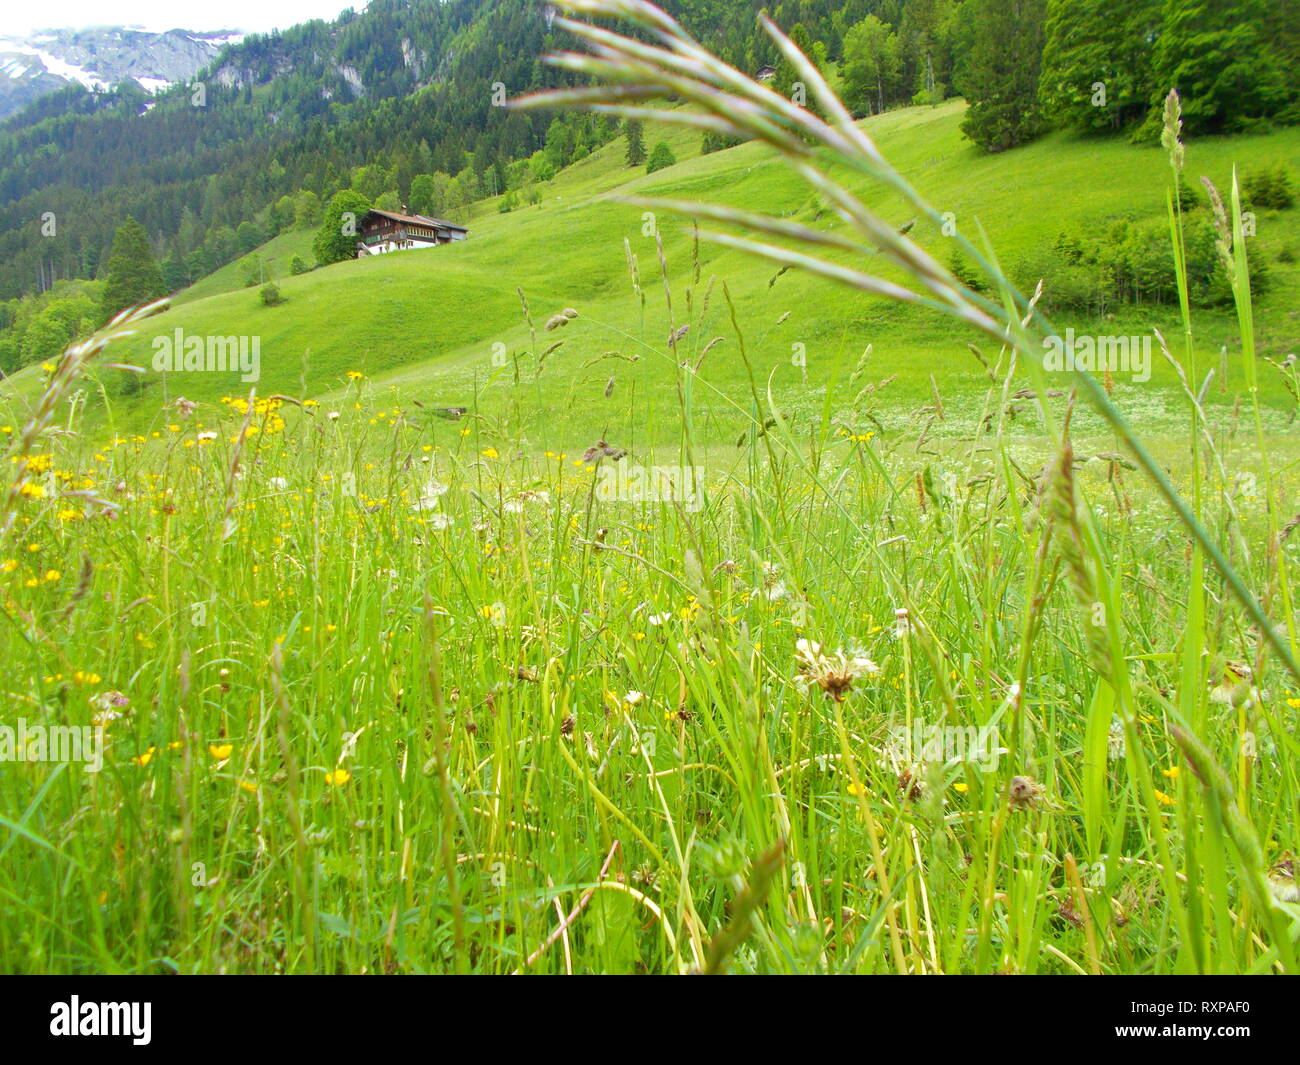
[383, 231]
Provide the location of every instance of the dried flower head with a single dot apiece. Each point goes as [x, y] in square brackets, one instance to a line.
[561, 319]
[911, 785]
[601, 449]
[1233, 685]
[1222, 227]
[833, 673]
[1281, 880]
[1023, 793]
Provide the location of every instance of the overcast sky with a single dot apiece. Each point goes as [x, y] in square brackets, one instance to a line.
[255, 16]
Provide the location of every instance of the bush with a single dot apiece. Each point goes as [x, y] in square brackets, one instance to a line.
[965, 272]
[1269, 188]
[1188, 198]
[930, 97]
[1069, 283]
[271, 295]
[130, 384]
[662, 156]
[715, 142]
[298, 266]
[10, 356]
[1131, 263]
[1283, 190]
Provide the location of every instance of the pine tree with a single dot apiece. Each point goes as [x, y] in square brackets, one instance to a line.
[133, 275]
[635, 142]
[1002, 87]
[174, 274]
[786, 77]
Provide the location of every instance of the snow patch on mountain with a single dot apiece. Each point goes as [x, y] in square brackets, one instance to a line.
[50, 64]
[101, 57]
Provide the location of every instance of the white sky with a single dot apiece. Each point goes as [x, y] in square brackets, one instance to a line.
[251, 16]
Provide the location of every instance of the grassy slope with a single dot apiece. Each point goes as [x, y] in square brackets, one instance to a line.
[278, 253]
[424, 324]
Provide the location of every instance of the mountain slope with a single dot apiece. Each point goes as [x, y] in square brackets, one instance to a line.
[425, 323]
[279, 113]
[407, 86]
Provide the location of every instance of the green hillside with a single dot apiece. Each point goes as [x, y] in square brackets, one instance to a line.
[276, 255]
[424, 324]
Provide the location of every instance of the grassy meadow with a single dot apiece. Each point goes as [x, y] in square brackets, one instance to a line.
[388, 688]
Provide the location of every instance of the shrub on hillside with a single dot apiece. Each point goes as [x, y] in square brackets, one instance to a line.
[271, 295]
[10, 357]
[1269, 188]
[1069, 283]
[931, 97]
[1188, 198]
[715, 142]
[298, 265]
[660, 157]
[1131, 263]
[965, 272]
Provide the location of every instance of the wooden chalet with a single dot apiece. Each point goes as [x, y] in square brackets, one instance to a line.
[382, 231]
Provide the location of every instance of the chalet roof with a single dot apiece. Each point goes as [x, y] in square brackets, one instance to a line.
[417, 219]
